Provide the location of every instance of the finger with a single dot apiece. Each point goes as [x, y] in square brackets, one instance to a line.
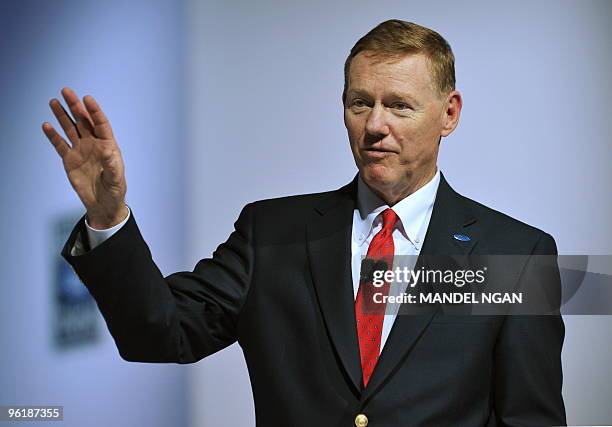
[102, 128]
[80, 114]
[60, 144]
[65, 121]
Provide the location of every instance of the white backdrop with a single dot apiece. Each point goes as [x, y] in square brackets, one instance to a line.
[264, 119]
[129, 56]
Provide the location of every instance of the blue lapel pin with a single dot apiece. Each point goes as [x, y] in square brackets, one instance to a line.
[462, 237]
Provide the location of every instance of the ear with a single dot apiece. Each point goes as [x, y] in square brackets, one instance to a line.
[451, 113]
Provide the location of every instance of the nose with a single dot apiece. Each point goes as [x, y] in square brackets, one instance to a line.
[376, 124]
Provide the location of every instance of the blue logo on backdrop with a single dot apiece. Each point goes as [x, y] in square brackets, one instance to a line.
[75, 315]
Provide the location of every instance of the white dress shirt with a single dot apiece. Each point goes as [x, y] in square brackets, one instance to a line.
[414, 213]
[96, 236]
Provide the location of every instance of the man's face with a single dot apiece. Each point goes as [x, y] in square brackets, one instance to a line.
[394, 117]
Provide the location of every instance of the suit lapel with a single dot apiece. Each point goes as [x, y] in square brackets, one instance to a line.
[329, 251]
[449, 217]
[328, 237]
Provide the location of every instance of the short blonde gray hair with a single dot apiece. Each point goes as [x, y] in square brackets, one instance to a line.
[396, 38]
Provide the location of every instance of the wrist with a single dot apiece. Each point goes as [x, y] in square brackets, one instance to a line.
[104, 221]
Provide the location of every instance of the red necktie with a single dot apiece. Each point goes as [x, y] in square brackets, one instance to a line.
[370, 315]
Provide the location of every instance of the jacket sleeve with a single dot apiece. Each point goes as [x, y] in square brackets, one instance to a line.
[180, 318]
[527, 358]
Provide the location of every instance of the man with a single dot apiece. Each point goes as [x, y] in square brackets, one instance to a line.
[287, 283]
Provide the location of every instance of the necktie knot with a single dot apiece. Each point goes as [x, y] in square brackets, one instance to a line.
[390, 218]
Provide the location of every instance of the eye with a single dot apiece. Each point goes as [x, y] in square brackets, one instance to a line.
[359, 103]
[401, 106]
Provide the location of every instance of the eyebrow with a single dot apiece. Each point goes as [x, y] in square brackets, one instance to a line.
[393, 94]
[358, 92]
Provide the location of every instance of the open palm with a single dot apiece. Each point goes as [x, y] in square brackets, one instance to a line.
[93, 161]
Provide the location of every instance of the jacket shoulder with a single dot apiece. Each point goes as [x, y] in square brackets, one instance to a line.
[501, 227]
[302, 205]
[296, 205]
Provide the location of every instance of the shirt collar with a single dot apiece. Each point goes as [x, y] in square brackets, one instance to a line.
[412, 210]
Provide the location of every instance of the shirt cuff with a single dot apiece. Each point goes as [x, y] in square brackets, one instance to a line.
[96, 237]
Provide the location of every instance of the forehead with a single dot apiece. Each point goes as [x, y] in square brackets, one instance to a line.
[374, 73]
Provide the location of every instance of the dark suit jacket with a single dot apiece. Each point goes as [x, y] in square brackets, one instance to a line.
[281, 286]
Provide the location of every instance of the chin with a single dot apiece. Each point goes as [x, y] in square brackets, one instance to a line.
[378, 176]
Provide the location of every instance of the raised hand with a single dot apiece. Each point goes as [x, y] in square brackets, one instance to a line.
[92, 160]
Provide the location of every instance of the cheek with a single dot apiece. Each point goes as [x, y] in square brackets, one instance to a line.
[417, 139]
[351, 123]
[354, 131]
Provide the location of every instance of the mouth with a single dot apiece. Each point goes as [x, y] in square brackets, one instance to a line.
[377, 153]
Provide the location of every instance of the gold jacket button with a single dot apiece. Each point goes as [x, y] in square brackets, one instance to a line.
[361, 420]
